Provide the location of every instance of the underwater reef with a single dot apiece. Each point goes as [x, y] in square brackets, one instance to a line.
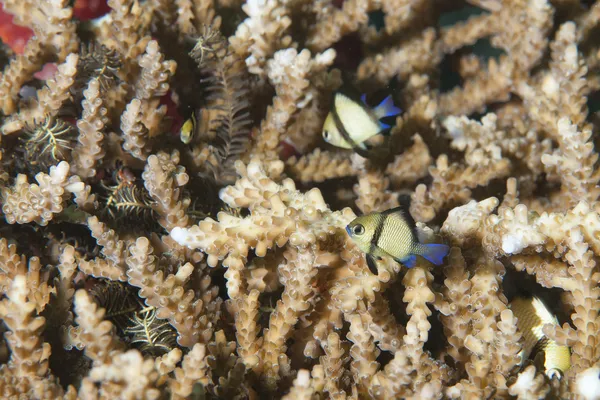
[173, 223]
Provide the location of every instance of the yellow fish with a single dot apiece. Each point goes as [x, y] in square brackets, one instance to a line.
[188, 129]
[532, 314]
[393, 233]
[350, 123]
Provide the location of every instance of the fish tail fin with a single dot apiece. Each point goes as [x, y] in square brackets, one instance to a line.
[434, 253]
[386, 108]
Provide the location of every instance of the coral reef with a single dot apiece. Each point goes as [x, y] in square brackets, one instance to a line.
[139, 264]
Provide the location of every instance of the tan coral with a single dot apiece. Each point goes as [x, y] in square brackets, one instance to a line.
[373, 194]
[54, 32]
[333, 366]
[247, 330]
[288, 71]
[19, 71]
[182, 308]
[192, 15]
[151, 85]
[297, 276]
[303, 316]
[129, 24]
[334, 24]
[49, 99]
[382, 325]
[529, 384]
[90, 151]
[451, 185]
[97, 335]
[164, 178]
[128, 376]
[574, 162]
[280, 210]
[135, 133]
[320, 165]
[561, 90]
[411, 165]
[302, 387]
[28, 363]
[505, 23]
[363, 352]
[24, 202]
[416, 55]
[260, 35]
[453, 304]
[193, 369]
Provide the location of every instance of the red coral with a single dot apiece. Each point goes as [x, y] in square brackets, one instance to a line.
[13, 35]
[16, 36]
[89, 9]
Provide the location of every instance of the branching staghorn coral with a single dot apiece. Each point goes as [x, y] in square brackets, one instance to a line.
[24, 202]
[135, 263]
[261, 34]
[54, 38]
[48, 100]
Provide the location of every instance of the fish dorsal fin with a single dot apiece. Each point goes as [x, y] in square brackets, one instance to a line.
[404, 200]
[404, 212]
[542, 311]
[355, 106]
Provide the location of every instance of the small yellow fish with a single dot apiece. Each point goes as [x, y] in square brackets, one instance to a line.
[532, 314]
[392, 233]
[350, 123]
[188, 129]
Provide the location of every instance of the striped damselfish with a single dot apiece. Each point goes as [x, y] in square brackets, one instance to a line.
[532, 314]
[350, 123]
[393, 233]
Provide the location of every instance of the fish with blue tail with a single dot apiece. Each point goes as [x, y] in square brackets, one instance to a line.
[393, 233]
[351, 123]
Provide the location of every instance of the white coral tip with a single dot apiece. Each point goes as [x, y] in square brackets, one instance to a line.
[525, 381]
[588, 383]
[512, 244]
[180, 235]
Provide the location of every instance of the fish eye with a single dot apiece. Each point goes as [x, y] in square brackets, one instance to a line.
[358, 229]
[326, 135]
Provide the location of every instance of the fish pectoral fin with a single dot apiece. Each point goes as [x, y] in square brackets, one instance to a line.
[386, 108]
[363, 152]
[373, 152]
[362, 146]
[371, 264]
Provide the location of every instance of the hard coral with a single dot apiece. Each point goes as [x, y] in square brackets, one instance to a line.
[138, 263]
